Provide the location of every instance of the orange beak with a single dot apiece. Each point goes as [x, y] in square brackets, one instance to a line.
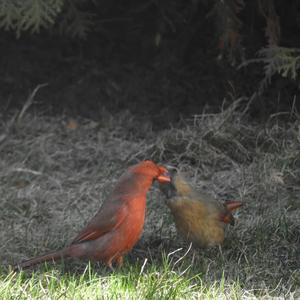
[164, 176]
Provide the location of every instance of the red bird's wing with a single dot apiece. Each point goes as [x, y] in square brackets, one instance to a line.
[114, 210]
[111, 215]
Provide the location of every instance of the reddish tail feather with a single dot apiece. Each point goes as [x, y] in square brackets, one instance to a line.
[52, 256]
[233, 205]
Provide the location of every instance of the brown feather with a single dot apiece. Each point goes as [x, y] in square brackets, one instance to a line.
[198, 217]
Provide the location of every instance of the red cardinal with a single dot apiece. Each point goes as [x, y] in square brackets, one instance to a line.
[198, 217]
[117, 226]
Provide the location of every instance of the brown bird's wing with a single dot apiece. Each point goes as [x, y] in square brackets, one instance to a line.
[110, 216]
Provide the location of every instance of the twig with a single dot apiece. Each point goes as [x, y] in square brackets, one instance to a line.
[29, 101]
[143, 266]
[173, 252]
[27, 171]
[184, 255]
[17, 117]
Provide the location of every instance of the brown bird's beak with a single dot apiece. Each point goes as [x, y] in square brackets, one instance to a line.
[168, 187]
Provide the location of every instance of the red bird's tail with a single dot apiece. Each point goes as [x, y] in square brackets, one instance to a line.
[52, 256]
[227, 216]
[233, 205]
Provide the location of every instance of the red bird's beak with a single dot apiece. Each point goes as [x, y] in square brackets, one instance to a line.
[164, 177]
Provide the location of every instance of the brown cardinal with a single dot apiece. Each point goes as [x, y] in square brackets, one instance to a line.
[117, 226]
[198, 217]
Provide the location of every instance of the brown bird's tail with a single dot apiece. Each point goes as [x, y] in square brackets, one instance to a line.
[52, 256]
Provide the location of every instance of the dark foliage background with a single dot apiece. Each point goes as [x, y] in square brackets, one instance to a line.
[168, 58]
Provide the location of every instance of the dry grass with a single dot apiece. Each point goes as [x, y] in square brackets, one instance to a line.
[53, 178]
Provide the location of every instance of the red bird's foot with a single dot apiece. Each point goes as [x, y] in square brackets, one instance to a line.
[117, 260]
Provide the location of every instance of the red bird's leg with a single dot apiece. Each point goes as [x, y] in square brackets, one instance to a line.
[109, 264]
[119, 261]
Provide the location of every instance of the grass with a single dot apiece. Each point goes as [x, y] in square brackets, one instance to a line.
[53, 178]
[132, 282]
